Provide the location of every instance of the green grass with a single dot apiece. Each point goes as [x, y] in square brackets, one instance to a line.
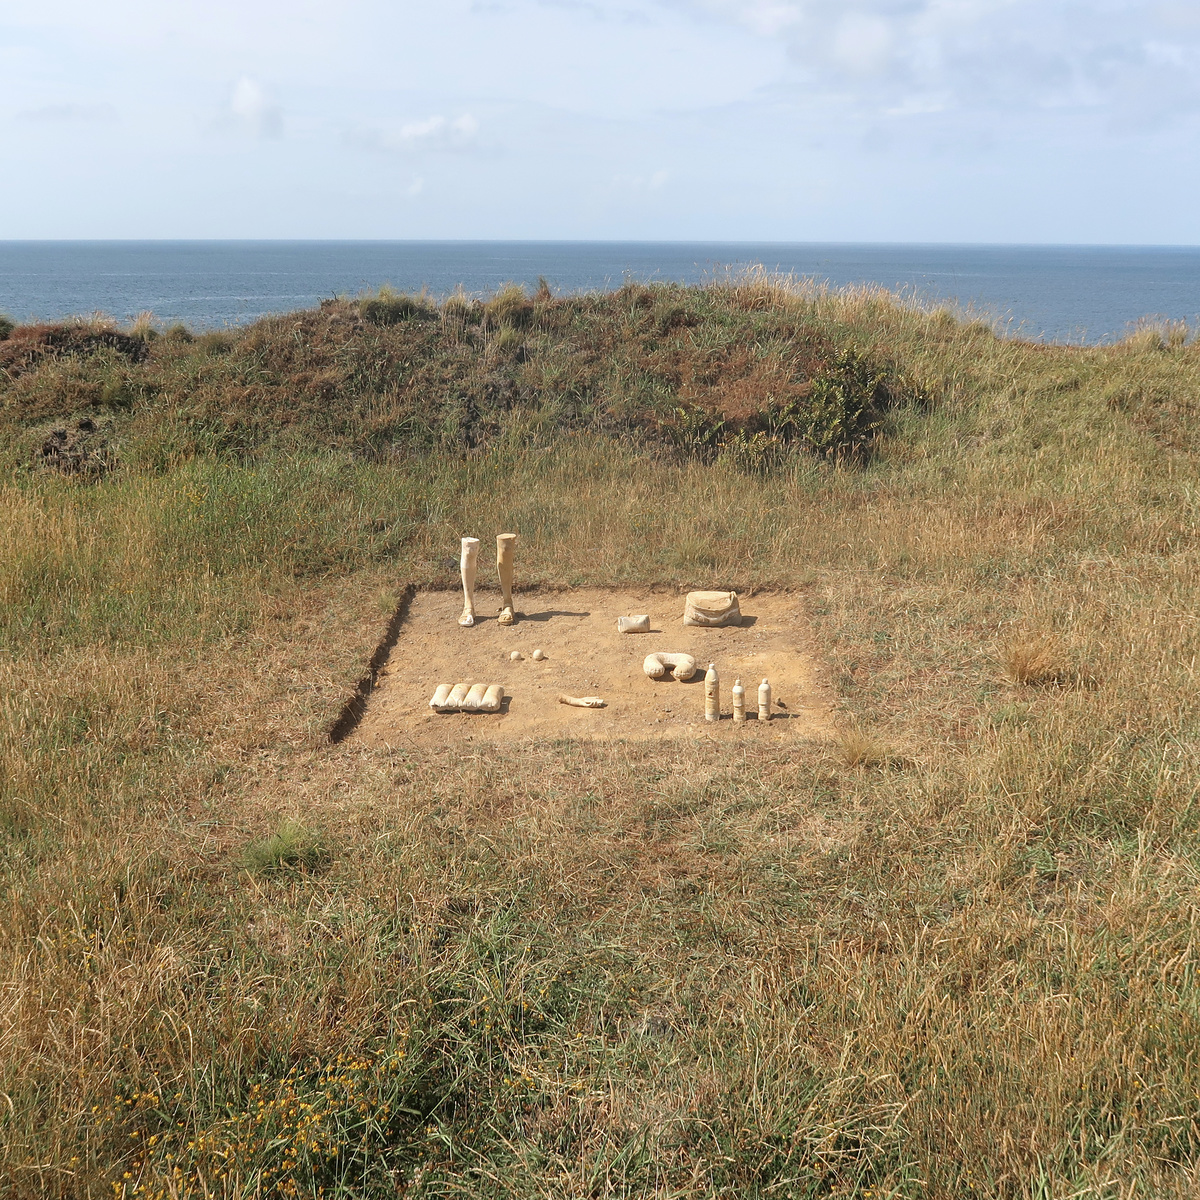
[950, 954]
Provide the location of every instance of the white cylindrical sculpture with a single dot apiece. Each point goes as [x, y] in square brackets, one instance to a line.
[639, 624]
[582, 701]
[504, 568]
[492, 699]
[457, 695]
[441, 695]
[682, 666]
[468, 567]
[474, 697]
[764, 701]
[712, 694]
[739, 702]
[712, 609]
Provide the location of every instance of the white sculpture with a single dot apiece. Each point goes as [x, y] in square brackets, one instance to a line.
[504, 568]
[634, 624]
[538, 656]
[479, 697]
[516, 656]
[656, 665]
[468, 568]
[739, 702]
[712, 694]
[764, 701]
[712, 609]
[582, 701]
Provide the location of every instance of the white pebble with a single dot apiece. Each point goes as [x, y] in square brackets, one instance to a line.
[538, 656]
[516, 656]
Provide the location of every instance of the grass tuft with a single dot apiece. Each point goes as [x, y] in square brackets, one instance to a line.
[1036, 662]
[292, 849]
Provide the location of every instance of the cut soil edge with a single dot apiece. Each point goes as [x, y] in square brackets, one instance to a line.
[355, 707]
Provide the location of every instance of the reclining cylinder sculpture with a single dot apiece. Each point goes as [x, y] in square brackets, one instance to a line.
[504, 568]
[468, 568]
[640, 624]
[682, 665]
[712, 694]
[739, 702]
[478, 697]
[582, 701]
[712, 609]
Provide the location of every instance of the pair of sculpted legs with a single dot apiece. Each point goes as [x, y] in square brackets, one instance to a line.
[469, 565]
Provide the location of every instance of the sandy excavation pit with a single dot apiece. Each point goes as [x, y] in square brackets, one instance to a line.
[586, 656]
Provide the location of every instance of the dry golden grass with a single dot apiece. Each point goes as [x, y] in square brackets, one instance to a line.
[564, 969]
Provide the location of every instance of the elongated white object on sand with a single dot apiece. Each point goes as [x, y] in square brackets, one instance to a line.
[739, 702]
[682, 666]
[712, 694]
[764, 701]
[582, 701]
[478, 697]
[504, 568]
[468, 567]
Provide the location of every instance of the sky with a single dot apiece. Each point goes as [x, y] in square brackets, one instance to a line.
[765, 120]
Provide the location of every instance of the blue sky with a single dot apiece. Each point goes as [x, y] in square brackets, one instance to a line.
[794, 120]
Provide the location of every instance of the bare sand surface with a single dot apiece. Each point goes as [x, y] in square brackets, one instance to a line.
[585, 656]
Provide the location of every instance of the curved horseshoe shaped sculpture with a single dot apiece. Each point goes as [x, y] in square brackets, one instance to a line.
[682, 665]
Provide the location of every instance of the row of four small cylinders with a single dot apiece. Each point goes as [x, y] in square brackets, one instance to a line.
[712, 698]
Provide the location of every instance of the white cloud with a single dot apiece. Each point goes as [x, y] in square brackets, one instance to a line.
[250, 107]
[997, 56]
[426, 133]
[69, 113]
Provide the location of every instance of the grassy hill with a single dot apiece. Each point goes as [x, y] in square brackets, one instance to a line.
[953, 954]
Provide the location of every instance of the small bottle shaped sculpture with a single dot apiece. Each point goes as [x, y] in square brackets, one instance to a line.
[739, 702]
[504, 568]
[468, 567]
[764, 701]
[712, 609]
[712, 694]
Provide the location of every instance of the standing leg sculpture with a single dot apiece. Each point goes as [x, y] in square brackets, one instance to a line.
[504, 566]
[468, 565]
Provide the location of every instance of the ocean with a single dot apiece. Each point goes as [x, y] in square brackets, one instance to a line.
[1053, 293]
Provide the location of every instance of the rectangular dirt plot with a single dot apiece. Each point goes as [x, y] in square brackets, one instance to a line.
[586, 656]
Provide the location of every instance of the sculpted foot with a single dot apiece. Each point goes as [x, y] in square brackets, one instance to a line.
[468, 567]
[504, 568]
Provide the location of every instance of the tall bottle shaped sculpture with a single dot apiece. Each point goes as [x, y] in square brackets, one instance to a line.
[504, 567]
[712, 694]
[739, 702]
[764, 701]
[469, 568]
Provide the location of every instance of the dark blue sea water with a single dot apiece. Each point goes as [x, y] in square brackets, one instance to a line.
[1061, 293]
